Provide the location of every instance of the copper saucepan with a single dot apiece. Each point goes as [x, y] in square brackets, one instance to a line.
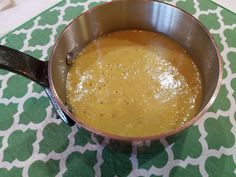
[113, 16]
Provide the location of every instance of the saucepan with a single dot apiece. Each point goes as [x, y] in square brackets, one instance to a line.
[117, 15]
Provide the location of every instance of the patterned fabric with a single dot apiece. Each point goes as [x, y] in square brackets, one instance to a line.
[34, 144]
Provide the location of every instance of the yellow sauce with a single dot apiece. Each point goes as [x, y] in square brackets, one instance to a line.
[134, 83]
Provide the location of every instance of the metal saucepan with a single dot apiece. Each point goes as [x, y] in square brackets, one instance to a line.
[113, 16]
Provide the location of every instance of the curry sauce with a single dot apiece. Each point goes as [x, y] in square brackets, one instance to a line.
[134, 83]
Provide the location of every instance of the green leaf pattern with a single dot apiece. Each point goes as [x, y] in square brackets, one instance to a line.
[33, 143]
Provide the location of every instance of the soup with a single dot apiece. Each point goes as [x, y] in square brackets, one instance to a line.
[134, 83]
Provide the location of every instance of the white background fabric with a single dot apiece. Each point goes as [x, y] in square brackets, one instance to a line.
[13, 13]
[228, 4]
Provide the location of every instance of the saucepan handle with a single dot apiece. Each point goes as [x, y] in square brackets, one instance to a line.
[32, 68]
[23, 64]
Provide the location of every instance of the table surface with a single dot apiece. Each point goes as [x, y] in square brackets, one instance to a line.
[33, 143]
[19, 11]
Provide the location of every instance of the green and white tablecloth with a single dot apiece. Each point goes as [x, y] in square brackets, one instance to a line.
[34, 144]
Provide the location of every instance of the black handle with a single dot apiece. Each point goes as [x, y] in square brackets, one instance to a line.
[32, 68]
[23, 64]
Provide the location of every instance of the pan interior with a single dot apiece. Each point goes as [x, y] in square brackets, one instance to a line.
[142, 15]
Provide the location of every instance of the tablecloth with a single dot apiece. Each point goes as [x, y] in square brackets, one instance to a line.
[16, 12]
[33, 143]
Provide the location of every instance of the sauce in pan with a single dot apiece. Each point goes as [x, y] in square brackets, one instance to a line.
[134, 83]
